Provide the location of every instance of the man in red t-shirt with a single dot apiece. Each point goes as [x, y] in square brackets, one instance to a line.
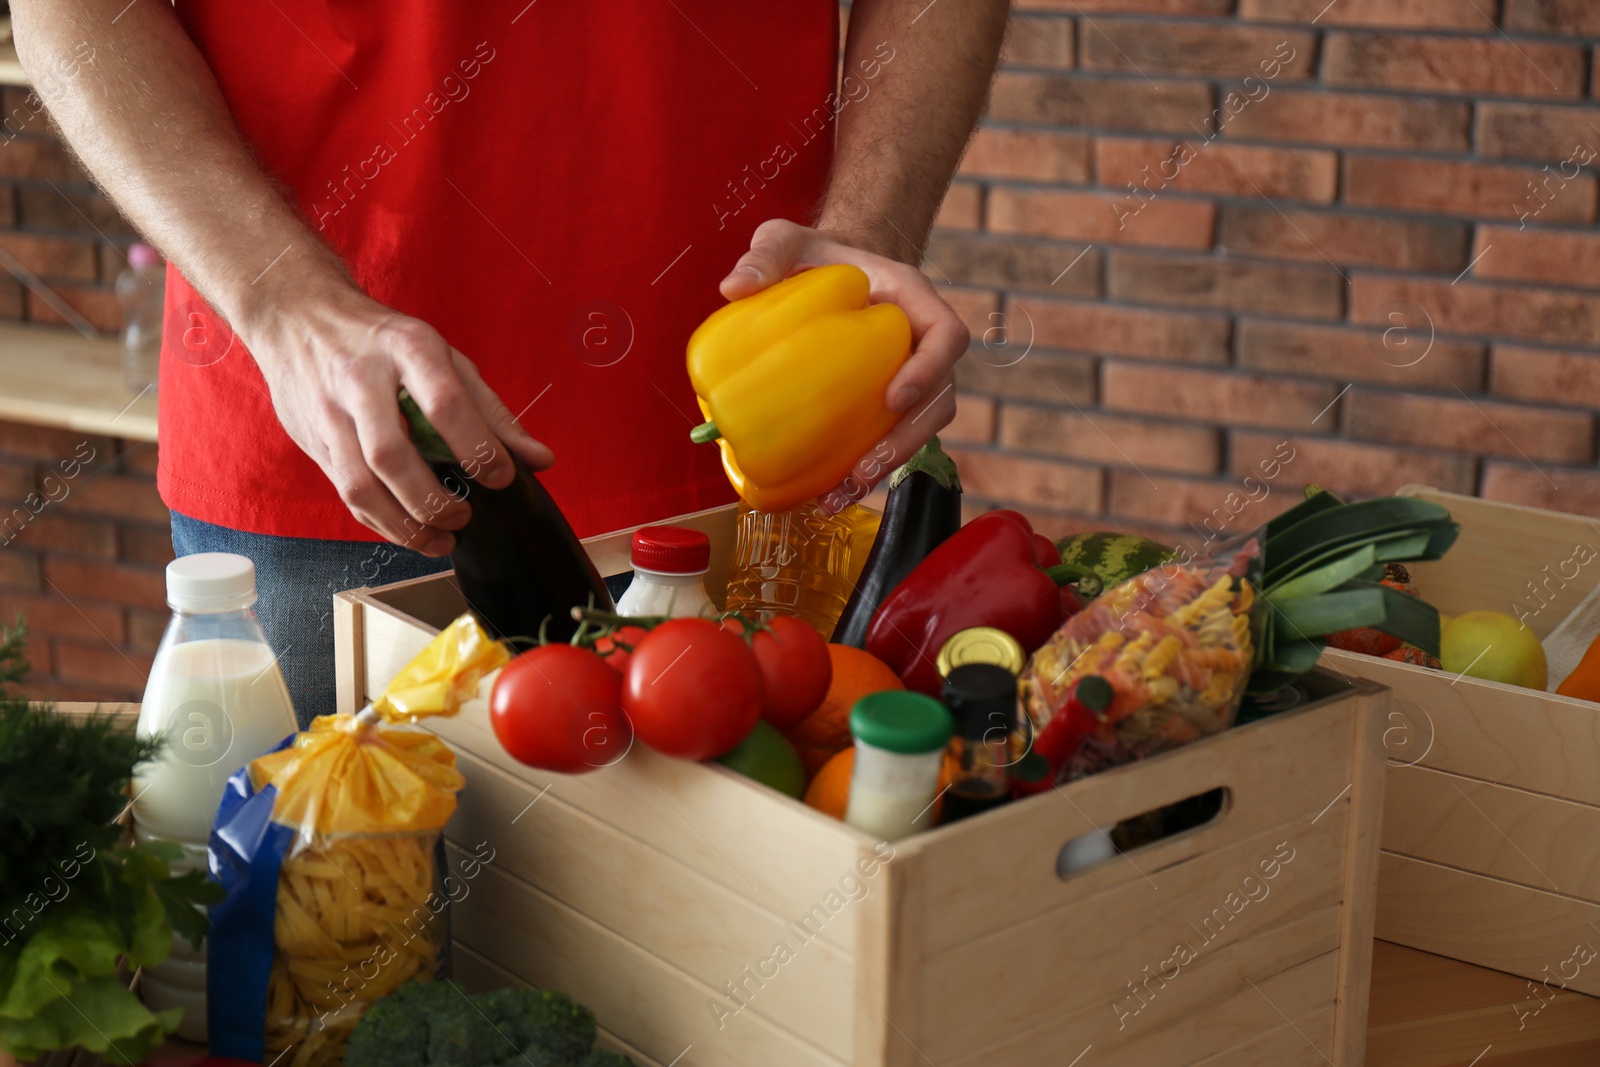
[516, 210]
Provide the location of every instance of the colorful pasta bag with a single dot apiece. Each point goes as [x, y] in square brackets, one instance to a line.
[330, 852]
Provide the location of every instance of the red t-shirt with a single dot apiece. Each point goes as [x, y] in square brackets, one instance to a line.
[555, 186]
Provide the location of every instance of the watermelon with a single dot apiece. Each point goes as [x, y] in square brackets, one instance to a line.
[1115, 557]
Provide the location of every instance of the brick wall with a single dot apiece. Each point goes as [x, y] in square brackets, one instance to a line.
[1170, 270]
[55, 223]
[84, 541]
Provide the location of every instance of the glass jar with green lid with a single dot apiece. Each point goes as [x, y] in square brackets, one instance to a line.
[900, 743]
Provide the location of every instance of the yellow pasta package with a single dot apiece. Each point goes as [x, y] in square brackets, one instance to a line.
[330, 853]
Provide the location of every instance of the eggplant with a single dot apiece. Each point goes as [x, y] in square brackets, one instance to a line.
[518, 562]
[923, 509]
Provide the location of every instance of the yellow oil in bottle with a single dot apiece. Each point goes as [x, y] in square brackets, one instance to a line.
[800, 562]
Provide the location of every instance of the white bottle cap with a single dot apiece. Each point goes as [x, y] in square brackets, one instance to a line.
[207, 583]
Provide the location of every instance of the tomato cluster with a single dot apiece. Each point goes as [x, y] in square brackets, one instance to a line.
[690, 688]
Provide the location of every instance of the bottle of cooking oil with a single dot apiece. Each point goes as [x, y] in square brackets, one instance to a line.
[800, 562]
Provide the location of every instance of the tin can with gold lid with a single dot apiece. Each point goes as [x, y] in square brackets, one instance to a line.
[981, 644]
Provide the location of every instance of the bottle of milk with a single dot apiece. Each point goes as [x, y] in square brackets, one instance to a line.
[216, 692]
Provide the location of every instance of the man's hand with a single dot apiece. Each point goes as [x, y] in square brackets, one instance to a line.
[925, 387]
[334, 369]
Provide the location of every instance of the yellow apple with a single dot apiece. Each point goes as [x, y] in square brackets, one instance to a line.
[1493, 646]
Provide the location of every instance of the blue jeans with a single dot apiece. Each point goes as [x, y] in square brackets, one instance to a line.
[296, 578]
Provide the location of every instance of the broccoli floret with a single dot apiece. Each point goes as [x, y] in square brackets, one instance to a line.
[542, 1021]
[438, 1025]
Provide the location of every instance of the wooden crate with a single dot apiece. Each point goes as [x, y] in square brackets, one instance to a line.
[1491, 833]
[712, 921]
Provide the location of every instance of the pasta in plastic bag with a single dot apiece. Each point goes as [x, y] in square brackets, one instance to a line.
[330, 852]
[1175, 646]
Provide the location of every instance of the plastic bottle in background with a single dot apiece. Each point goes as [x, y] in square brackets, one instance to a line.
[216, 693]
[141, 290]
[669, 573]
[799, 562]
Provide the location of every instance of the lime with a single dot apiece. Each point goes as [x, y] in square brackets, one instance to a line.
[766, 756]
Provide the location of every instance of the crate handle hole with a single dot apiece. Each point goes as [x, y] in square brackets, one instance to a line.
[1106, 843]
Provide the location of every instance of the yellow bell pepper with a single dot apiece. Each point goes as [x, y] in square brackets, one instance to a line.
[793, 381]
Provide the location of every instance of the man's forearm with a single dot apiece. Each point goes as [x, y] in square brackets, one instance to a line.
[902, 131]
[147, 119]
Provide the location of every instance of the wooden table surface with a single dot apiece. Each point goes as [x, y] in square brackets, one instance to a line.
[55, 377]
[1428, 1011]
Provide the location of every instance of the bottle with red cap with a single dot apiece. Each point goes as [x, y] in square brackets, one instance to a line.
[669, 573]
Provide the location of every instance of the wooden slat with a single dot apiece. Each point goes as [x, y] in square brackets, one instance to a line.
[1293, 1044]
[888, 980]
[1126, 928]
[349, 654]
[644, 999]
[478, 975]
[1201, 1004]
[1501, 549]
[709, 932]
[1367, 803]
[1500, 733]
[54, 376]
[1534, 840]
[1485, 921]
[1265, 766]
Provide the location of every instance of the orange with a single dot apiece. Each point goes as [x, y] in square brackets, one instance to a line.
[827, 730]
[829, 791]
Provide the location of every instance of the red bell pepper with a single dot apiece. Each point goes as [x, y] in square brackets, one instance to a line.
[1061, 738]
[984, 574]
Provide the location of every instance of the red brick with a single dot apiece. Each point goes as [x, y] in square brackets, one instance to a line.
[1579, 18]
[1318, 117]
[149, 545]
[1543, 133]
[1469, 425]
[142, 457]
[1108, 329]
[1163, 222]
[71, 210]
[1029, 155]
[1216, 396]
[1035, 375]
[1398, 14]
[98, 306]
[17, 480]
[1113, 440]
[974, 421]
[1486, 65]
[52, 257]
[962, 208]
[1474, 190]
[145, 628]
[114, 582]
[1201, 166]
[1207, 511]
[11, 299]
[1537, 255]
[1404, 358]
[55, 532]
[39, 159]
[1038, 41]
[1544, 376]
[1493, 310]
[1046, 484]
[1348, 467]
[8, 206]
[53, 447]
[1074, 100]
[18, 569]
[1210, 50]
[55, 617]
[1551, 488]
[1344, 239]
[1003, 263]
[1191, 281]
[1132, 7]
[101, 664]
[977, 307]
[127, 496]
